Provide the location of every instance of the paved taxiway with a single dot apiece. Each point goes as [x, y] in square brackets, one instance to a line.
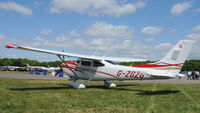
[28, 76]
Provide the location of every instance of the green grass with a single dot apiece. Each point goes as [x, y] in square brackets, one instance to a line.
[53, 96]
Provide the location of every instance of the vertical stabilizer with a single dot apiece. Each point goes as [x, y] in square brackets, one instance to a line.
[179, 53]
[174, 59]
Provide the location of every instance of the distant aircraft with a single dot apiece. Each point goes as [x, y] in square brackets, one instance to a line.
[91, 68]
[34, 67]
[49, 69]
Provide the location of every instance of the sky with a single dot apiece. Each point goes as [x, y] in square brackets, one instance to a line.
[145, 29]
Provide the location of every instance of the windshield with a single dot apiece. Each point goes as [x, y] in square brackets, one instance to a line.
[111, 62]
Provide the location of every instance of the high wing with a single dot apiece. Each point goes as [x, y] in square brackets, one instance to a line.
[116, 59]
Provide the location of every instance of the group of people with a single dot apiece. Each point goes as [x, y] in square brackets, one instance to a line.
[193, 75]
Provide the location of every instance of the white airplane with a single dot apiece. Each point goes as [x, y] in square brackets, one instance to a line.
[91, 68]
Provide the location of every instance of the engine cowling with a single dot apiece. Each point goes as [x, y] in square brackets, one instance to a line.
[69, 68]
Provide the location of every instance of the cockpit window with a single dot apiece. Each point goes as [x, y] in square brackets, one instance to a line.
[86, 63]
[111, 62]
[97, 64]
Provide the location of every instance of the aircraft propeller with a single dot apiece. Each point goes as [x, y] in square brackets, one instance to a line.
[58, 71]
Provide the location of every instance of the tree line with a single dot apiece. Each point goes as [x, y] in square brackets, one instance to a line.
[189, 65]
[22, 62]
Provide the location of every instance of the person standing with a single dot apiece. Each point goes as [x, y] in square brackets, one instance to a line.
[193, 75]
[189, 75]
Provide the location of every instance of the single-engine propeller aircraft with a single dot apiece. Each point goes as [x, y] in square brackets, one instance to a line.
[90, 68]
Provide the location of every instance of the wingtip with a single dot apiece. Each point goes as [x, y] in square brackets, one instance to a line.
[11, 46]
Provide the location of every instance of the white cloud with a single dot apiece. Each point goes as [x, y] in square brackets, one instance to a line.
[102, 44]
[46, 31]
[197, 10]
[173, 31]
[2, 37]
[149, 39]
[195, 53]
[12, 40]
[37, 38]
[196, 28]
[74, 34]
[126, 48]
[163, 46]
[195, 34]
[162, 49]
[77, 43]
[61, 38]
[152, 30]
[37, 4]
[101, 29]
[12, 6]
[96, 7]
[180, 7]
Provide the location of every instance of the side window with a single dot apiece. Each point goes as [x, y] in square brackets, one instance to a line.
[97, 64]
[86, 63]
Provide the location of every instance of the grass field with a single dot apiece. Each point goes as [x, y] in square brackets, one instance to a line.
[53, 96]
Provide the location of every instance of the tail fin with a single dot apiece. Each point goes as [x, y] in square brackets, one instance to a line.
[179, 53]
[174, 59]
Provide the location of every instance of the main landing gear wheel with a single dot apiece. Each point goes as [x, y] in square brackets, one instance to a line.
[109, 84]
[77, 85]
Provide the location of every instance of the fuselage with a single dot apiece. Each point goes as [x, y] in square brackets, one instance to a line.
[107, 70]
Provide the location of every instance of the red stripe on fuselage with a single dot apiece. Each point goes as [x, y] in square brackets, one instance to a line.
[106, 73]
[155, 65]
[79, 69]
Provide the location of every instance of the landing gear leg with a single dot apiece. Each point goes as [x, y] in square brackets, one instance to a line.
[109, 84]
